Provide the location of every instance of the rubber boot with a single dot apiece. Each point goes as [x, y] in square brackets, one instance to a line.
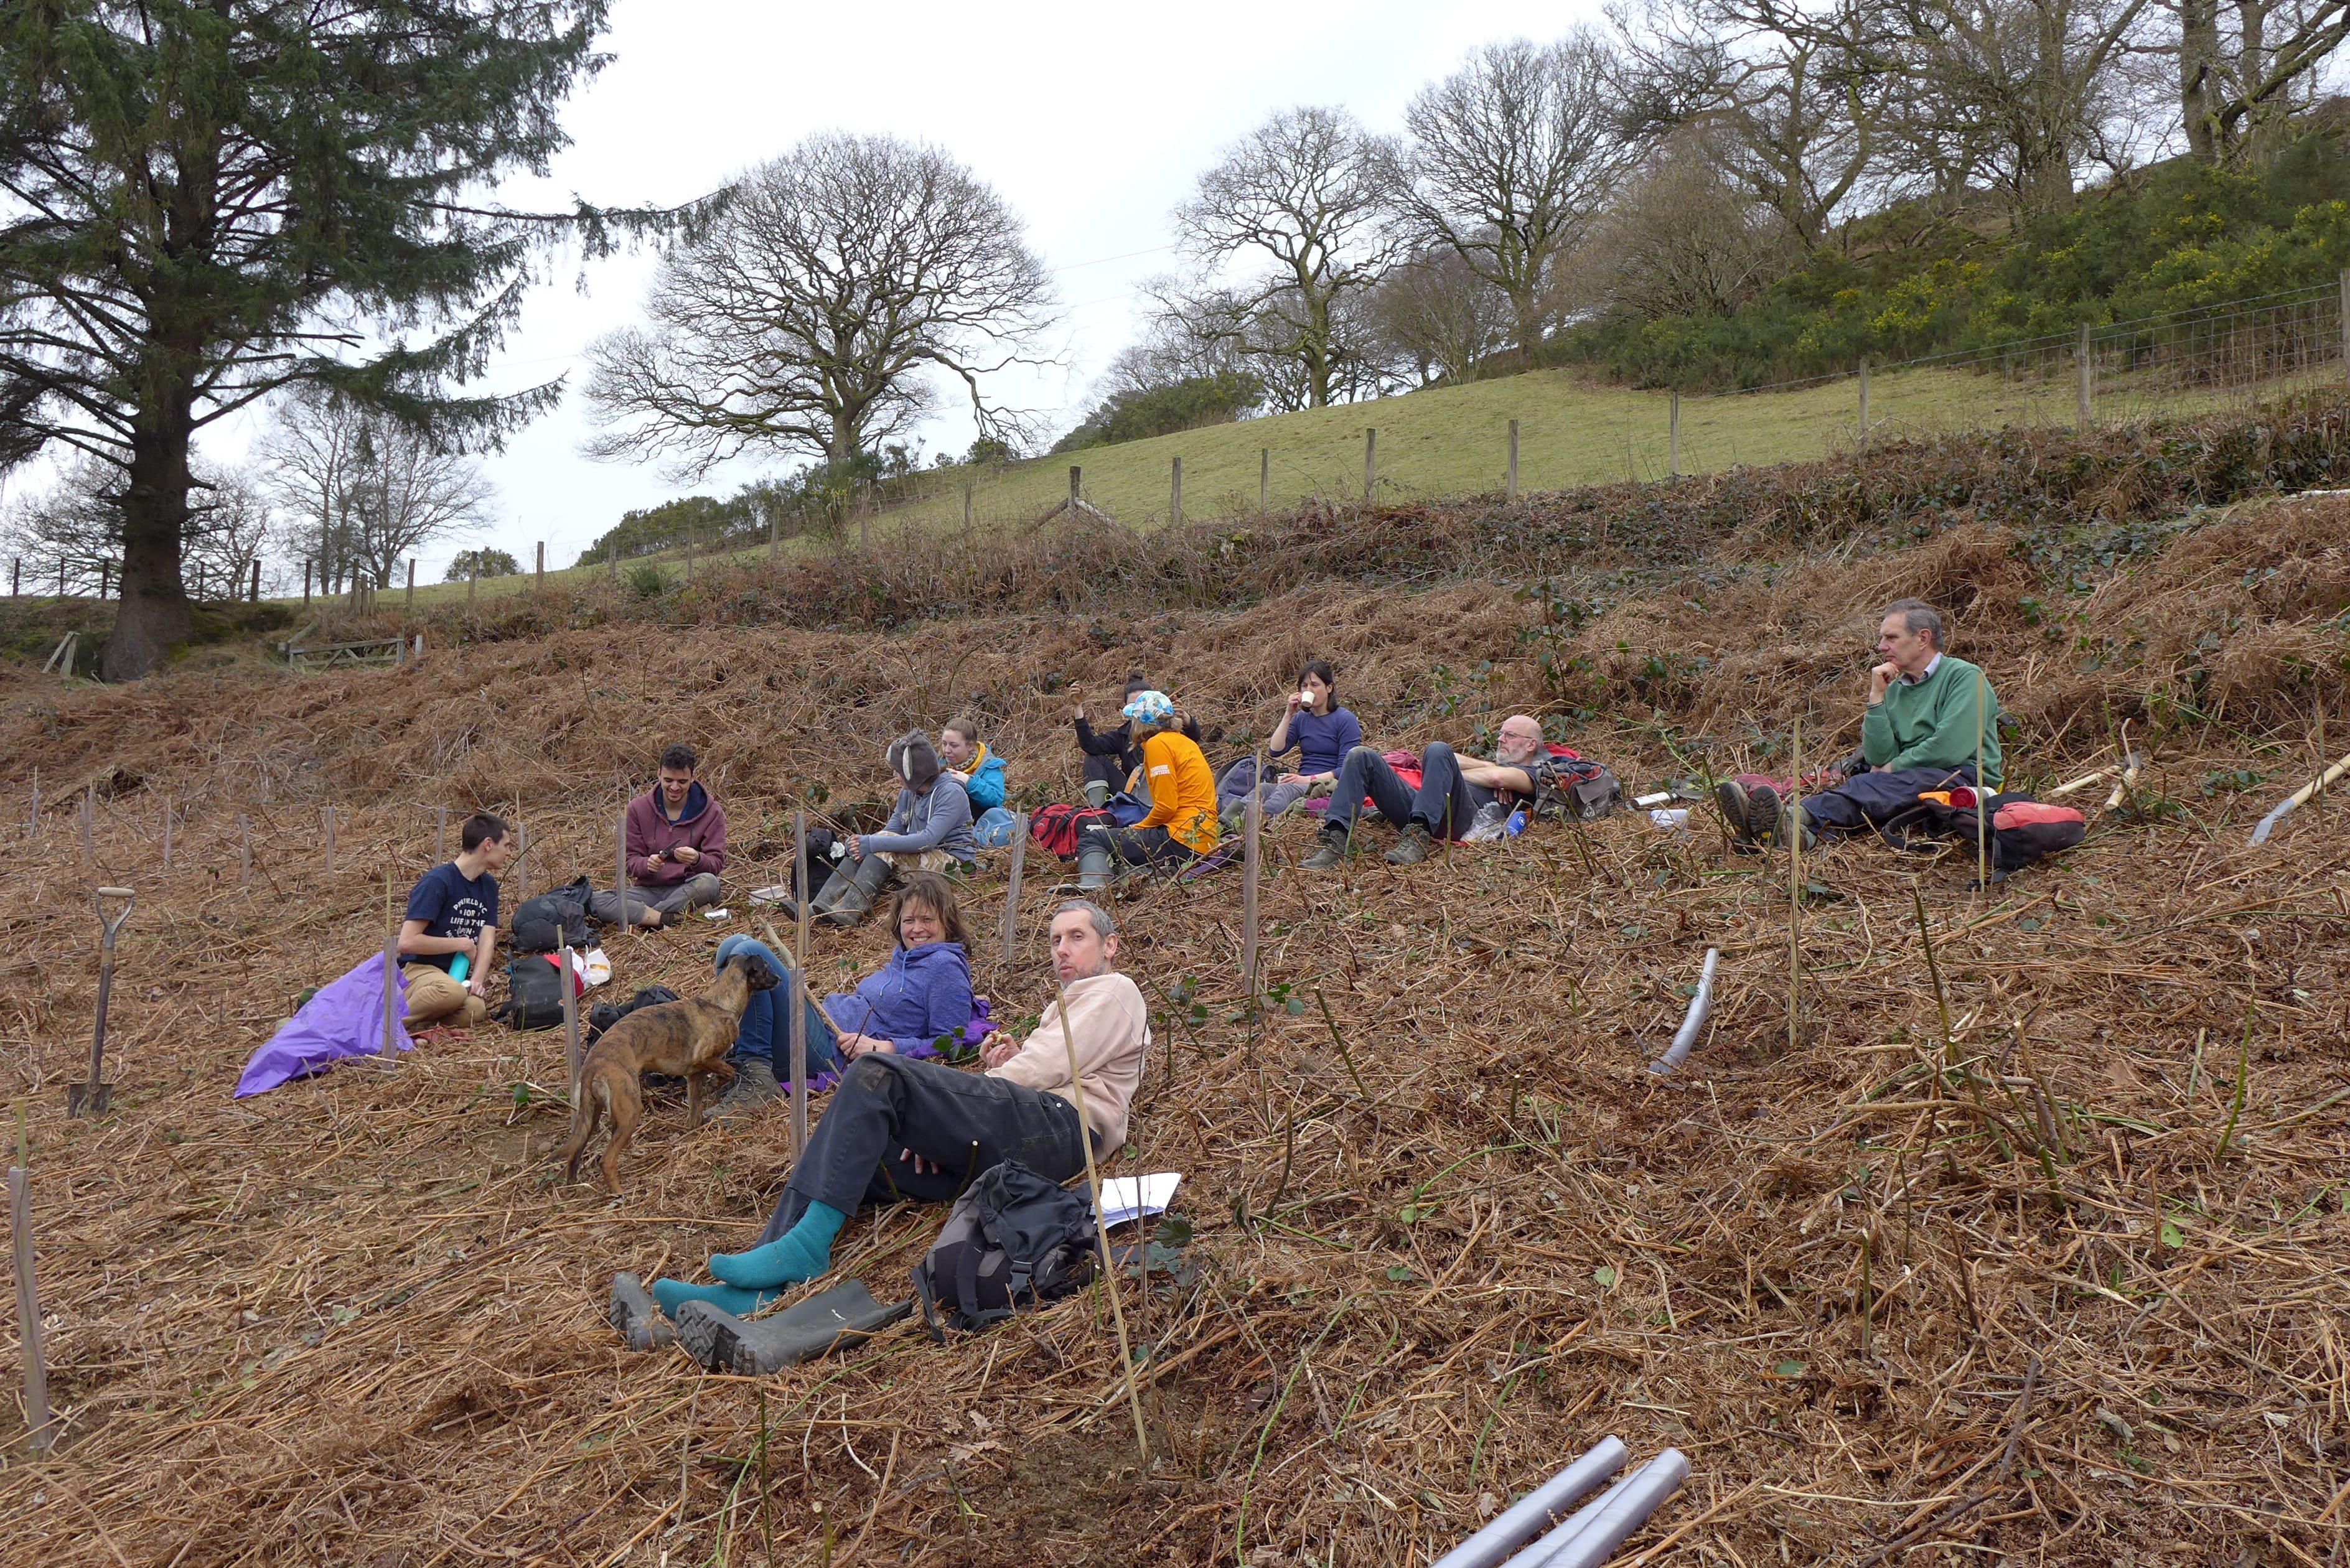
[1094, 865]
[852, 891]
[1097, 792]
[839, 1319]
[635, 1317]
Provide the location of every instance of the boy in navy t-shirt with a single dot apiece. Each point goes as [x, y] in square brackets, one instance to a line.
[452, 910]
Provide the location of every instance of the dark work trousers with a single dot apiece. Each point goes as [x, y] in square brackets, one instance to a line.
[1110, 769]
[1866, 799]
[1137, 846]
[1445, 803]
[963, 1123]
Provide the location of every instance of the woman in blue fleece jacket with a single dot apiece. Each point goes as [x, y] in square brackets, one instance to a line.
[981, 772]
[906, 1006]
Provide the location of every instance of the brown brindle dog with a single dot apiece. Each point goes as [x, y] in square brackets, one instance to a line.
[688, 1039]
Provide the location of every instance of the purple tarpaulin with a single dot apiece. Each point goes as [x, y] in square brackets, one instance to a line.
[343, 1018]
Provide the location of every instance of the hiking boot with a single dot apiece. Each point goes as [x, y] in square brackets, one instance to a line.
[1332, 851]
[754, 1085]
[1763, 809]
[1411, 849]
[1730, 798]
[1788, 819]
[636, 1317]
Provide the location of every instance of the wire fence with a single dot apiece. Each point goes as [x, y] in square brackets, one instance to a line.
[2227, 356]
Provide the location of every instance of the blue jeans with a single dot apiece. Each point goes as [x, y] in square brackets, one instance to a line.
[765, 1030]
[1445, 803]
[1866, 799]
[1232, 795]
[992, 827]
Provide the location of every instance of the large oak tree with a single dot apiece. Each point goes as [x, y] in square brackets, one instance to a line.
[203, 202]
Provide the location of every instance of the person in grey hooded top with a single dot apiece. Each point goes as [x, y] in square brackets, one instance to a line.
[929, 830]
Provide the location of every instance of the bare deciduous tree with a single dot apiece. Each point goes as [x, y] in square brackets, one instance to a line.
[366, 492]
[1684, 239]
[1441, 318]
[843, 281]
[1509, 160]
[78, 524]
[2245, 67]
[1297, 207]
[1794, 96]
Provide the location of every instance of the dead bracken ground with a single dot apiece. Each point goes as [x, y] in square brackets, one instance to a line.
[2046, 1261]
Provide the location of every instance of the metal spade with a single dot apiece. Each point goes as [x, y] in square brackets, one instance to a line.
[92, 1098]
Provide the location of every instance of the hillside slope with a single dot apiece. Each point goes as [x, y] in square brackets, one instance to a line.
[2066, 1190]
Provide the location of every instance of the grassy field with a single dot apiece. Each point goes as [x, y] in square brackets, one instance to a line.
[1451, 441]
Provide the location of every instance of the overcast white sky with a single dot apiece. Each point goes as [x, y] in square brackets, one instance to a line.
[1091, 122]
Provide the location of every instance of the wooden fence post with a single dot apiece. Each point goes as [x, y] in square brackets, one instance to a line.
[473, 579]
[408, 604]
[1012, 891]
[306, 585]
[1074, 474]
[1264, 479]
[541, 570]
[1512, 490]
[775, 529]
[253, 595]
[1864, 402]
[1370, 463]
[2081, 396]
[1673, 435]
[29, 1305]
[1175, 494]
[17, 566]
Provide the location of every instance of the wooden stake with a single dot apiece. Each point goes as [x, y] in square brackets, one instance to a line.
[409, 603]
[245, 850]
[1796, 891]
[1101, 1226]
[620, 869]
[440, 834]
[540, 570]
[1175, 494]
[86, 857]
[1673, 435]
[570, 1024]
[1012, 889]
[800, 1001]
[520, 856]
[1265, 454]
[1370, 463]
[33, 823]
[2082, 357]
[28, 1309]
[1252, 818]
[330, 840]
[1864, 402]
[167, 833]
[1512, 493]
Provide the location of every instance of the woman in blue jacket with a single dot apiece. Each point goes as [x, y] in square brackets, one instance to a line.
[920, 996]
[967, 758]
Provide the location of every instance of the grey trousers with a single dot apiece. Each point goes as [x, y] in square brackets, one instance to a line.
[673, 899]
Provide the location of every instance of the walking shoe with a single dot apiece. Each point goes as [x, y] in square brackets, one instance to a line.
[1411, 849]
[1332, 851]
[754, 1085]
[1787, 818]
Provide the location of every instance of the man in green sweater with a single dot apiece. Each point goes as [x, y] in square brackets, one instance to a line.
[1920, 732]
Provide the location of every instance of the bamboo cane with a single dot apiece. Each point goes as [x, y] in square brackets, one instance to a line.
[1101, 1226]
[799, 1008]
[1796, 890]
[1982, 816]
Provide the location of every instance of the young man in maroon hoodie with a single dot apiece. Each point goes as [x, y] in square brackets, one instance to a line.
[676, 847]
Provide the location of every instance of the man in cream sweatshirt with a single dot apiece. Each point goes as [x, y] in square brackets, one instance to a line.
[898, 1128]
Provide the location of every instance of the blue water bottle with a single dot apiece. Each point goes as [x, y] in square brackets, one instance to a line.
[1517, 823]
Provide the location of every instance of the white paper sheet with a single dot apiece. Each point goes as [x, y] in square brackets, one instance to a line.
[1125, 1197]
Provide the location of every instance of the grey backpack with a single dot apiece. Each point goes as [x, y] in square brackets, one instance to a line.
[1013, 1239]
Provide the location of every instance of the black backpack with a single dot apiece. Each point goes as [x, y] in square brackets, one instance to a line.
[2022, 829]
[604, 1014]
[534, 985]
[1012, 1237]
[555, 919]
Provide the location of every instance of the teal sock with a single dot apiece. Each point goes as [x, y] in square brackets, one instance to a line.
[800, 1253]
[674, 1293]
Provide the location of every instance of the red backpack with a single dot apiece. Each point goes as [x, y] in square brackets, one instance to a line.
[1055, 828]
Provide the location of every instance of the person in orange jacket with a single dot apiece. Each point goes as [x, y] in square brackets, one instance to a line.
[1181, 823]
